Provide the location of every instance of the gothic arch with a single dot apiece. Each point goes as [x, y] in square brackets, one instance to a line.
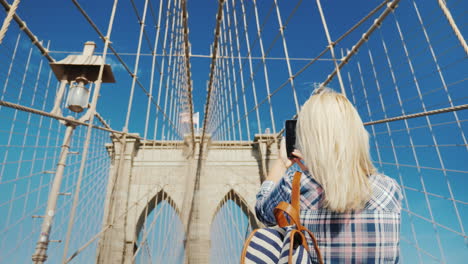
[234, 196]
[146, 211]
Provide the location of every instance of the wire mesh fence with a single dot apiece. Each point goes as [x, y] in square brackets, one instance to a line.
[394, 61]
[30, 150]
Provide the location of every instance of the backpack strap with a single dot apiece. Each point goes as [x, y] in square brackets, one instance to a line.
[285, 208]
[316, 248]
[246, 245]
[293, 211]
[296, 191]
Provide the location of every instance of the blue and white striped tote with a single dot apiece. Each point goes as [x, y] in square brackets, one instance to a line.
[275, 245]
[285, 243]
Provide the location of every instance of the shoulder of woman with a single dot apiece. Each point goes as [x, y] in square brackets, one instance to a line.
[386, 193]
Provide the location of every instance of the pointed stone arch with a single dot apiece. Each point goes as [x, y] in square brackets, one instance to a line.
[242, 203]
[158, 198]
[229, 172]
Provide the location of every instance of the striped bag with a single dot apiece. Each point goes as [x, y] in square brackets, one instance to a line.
[285, 243]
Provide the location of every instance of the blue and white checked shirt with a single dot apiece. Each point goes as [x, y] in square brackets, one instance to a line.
[370, 235]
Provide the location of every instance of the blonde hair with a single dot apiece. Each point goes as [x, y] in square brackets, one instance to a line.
[335, 145]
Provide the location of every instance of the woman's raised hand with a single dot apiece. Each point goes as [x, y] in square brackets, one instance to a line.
[289, 162]
[283, 155]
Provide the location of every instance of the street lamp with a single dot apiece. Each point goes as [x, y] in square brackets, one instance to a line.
[78, 71]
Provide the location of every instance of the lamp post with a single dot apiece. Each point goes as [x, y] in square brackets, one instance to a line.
[78, 71]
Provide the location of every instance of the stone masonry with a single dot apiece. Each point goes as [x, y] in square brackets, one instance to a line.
[142, 169]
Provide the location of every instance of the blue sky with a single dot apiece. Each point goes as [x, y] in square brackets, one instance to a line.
[67, 30]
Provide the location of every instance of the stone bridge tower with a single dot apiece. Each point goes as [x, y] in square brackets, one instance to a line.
[144, 170]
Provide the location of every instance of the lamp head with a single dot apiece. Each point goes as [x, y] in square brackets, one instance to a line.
[86, 64]
[78, 96]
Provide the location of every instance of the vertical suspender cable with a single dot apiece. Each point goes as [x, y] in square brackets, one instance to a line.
[379, 158]
[234, 79]
[241, 70]
[425, 109]
[229, 223]
[12, 60]
[113, 50]
[212, 72]
[219, 16]
[222, 95]
[441, 75]
[153, 64]
[217, 105]
[7, 79]
[92, 110]
[135, 70]
[161, 76]
[170, 64]
[170, 89]
[224, 87]
[228, 79]
[331, 44]
[227, 28]
[24, 146]
[179, 104]
[178, 85]
[414, 153]
[213, 120]
[249, 56]
[10, 137]
[175, 76]
[397, 90]
[188, 73]
[390, 8]
[265, 69]
[286, 54]
[132, 91]
[12, 128]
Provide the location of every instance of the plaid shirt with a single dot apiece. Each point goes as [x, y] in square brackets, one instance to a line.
[370, 235]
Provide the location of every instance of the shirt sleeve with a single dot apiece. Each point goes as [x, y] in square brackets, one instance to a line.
[397, 196]
[386, 194]
[270, 195]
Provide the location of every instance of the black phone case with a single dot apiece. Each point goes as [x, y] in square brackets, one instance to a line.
[290, 128]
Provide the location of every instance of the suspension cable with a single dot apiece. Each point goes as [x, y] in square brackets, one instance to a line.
[31, 36]
[7, 20]
[189, 87]
[206, 113]
[119, 58]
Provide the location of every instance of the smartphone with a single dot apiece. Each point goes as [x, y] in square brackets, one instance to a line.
[290, 128]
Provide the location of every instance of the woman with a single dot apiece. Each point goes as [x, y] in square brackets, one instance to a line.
[353, 211]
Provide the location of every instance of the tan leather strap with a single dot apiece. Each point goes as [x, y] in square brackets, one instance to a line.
[246, 246]
[285, 208]
[291, 244]
[316, 248]
[294, 208]
[293, 211]
[280, 218]
[296, 191]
